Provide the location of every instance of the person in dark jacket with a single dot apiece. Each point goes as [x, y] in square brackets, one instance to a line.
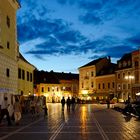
[63, 103]
[68, 103]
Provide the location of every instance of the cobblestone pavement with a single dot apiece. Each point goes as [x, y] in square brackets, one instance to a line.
[87, 122]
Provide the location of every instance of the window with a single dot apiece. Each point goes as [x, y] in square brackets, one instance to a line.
[8, 22]
[136, 76]
[128, 86]
[48, 89]
[124, 64]
[8, 45]
[23, 74]
[92, 84]
[123, 75]
[57, 89]
[108, 85]
[92, 74]
[136, 63]
[19, 73]
[42, 89]
[31, 77]
[118, 76]
[124, 86]
[7, 72]
[27, 76]
[99, 86]
[120, 64]
[119, 86]
[113, 84]
[129, 63]
[103, 86]
[82, 85]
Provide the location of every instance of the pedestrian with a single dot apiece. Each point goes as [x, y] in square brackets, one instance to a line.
[17, 111]
[4, 111]
[22, 102]
[73, 103]
[63, 103]
[108, 103]
[45, 106]
[32, 107]
[68, 103]
[38, 106]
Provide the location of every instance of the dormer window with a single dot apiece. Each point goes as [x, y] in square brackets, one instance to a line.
[129, 63]
[124, 64]
[120, 64]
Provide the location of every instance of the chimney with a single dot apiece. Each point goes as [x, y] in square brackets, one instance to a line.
[109, 58]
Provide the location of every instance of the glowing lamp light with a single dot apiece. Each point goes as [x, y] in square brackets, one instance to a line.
[138, 94]
[84, 92]
[129, 77]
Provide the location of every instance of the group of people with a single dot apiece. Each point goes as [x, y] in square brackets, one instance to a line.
[5, 111]
[13, 110]
[69, 102]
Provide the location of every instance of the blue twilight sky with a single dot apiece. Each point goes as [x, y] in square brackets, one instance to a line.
[62, 35]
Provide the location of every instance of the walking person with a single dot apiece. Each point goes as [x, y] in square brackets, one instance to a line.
[38, 106]
[32, 107]
[4, 111]
[17, 111]
[73, 103]
[68, 103]
[63, 103]
[22, 102]
[108, 103]
[44, 106]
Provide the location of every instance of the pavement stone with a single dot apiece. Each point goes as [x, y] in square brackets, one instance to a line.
[87, 122]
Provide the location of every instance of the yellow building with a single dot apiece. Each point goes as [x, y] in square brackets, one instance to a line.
[8, 46]
[25, 76]
[124, 77]
[105, 82]
[88, 75]
[55, 85]
[136, 73]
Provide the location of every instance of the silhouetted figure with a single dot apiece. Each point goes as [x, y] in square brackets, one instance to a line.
[45, 107]
[63, 103]
[108, 103]
[4, 111]
[73, 103]
[68, 103]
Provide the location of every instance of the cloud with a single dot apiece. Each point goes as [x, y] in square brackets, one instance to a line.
[89, 18]
[64, 2]
[134, 40]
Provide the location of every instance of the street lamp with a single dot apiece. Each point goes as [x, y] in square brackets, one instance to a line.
[130, 78]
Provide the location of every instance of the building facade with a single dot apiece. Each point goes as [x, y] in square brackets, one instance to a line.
[89, 79]
[8, 46]
[124, 77]
[56, 85]
[25, 76]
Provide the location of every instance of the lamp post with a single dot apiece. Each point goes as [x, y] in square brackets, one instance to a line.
[130, 78]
